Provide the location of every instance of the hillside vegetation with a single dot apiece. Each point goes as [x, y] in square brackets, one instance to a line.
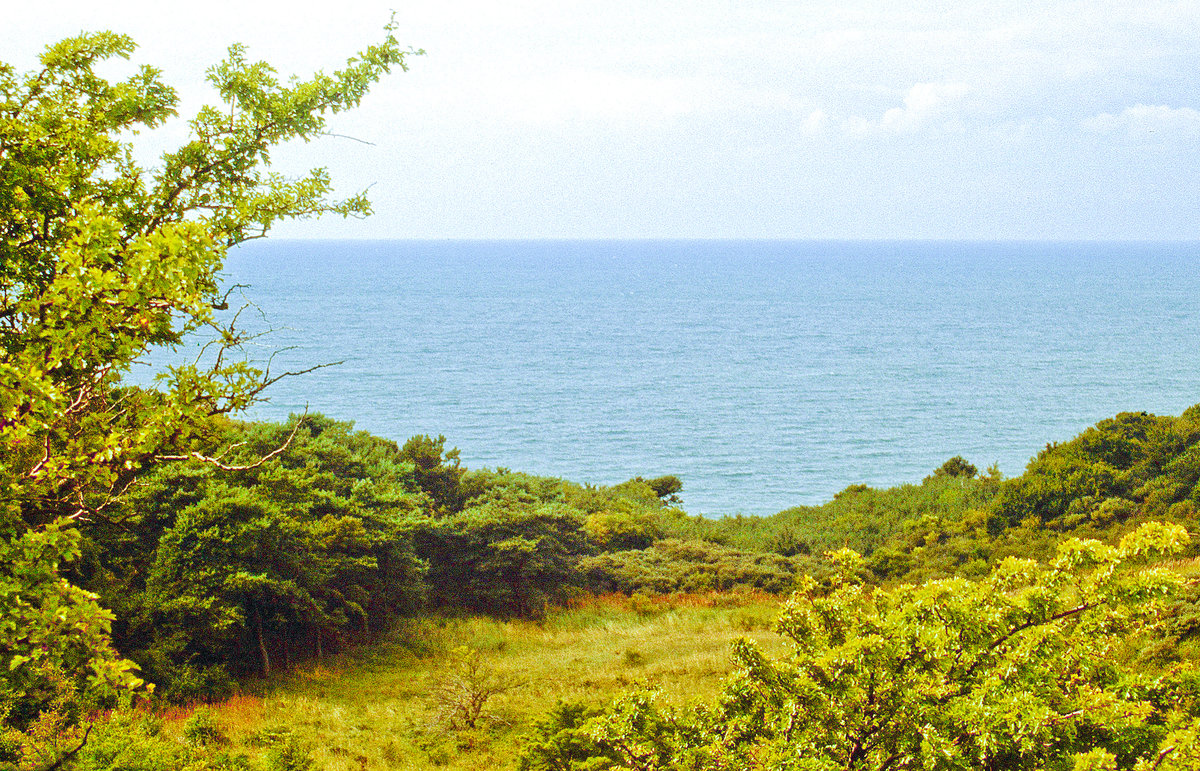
[347, 542]
[156, 552]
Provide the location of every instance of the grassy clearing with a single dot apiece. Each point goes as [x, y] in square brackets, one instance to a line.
[379, 707]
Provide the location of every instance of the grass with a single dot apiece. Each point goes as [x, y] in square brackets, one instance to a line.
[388, 706]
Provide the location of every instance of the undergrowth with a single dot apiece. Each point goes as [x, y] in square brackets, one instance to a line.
[457, 692]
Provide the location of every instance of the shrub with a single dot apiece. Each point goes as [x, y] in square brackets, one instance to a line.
[203, 730]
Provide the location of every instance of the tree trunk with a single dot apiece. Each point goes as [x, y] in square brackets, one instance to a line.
[262, 645]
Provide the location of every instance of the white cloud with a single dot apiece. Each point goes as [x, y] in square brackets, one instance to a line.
[815, 123]
[1144, 121]
[926, 105]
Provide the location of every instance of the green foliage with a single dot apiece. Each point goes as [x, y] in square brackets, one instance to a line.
[438, 472]
[1021, 670]
[665, 488]
[508, 554]
[561, 740]
[202, 730]
[314, 535]
[957, 522]
[52, 630]
[52, 735]
[624, 526]
[956, 467]
[1133, 464]
[101, 261]
[329, 538]
[673, 565]
[233, 570]
[908, 532]
[128, 741]
[288, 754]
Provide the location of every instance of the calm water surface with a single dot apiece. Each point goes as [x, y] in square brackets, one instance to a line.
[765, 374]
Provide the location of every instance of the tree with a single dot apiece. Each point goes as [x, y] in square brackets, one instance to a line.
[239, 570]
[101, 261]
[956, 467]
[507, 554]
[1026, 669]
[438, 472]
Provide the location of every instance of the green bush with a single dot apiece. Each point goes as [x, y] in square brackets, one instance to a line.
[288, 754]
[203, 730]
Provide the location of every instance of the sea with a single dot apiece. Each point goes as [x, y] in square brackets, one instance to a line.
[765, 374]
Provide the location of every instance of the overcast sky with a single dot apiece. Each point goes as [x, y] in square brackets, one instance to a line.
[710, 119]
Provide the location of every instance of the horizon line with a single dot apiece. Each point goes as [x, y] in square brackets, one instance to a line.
[740, 239]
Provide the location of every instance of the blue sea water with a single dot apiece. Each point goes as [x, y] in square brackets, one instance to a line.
[766, 374]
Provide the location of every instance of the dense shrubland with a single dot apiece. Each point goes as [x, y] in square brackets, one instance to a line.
[220, 573]
[216, 573]
[318, 537]
[310, 537]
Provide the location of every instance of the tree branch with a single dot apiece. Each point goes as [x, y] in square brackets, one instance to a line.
[216, 461]
[59, 763]
[344, 136]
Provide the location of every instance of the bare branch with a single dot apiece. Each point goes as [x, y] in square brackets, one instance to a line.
[216, 461]
[344, 136]
[269, 381]
[223, 303]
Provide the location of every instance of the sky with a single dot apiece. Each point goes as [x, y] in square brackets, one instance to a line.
[717, 119]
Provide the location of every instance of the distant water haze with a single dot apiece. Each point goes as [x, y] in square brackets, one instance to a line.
[766, 374]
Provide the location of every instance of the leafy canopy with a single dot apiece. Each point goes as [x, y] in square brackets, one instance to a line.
[1027, 668]
[101, 261]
